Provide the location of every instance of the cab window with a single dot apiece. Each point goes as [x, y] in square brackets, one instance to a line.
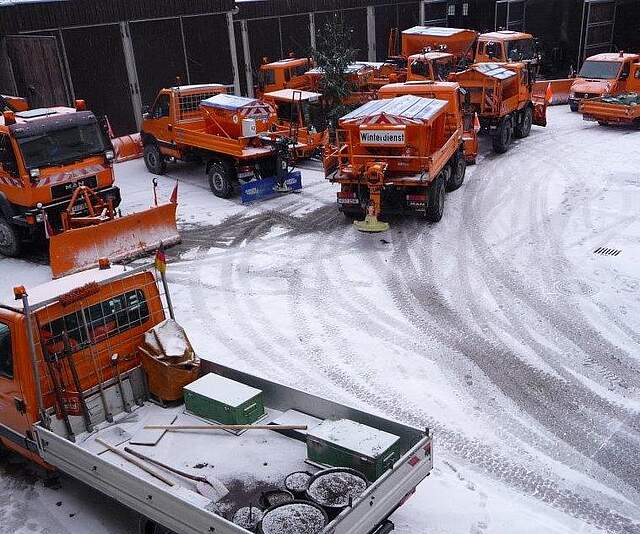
[6, 353]
[287, 75]
[626, 69]
[103, 320]
[7, 156]
[420, 68]
[161, 107]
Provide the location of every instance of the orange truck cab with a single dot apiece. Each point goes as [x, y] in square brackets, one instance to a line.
[602, 75]
[434, 66]
[502, 95]
[301, 117]
[284, 74]
[57, 344]
[504, 46]
[362, 76]
[397, 155]
[460, 111]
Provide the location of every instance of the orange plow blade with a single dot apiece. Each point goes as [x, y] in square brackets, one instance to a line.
[118, 239]
[127, 147]
[555, 91]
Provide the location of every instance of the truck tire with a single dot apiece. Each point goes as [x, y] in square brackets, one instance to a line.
[435, 209]
[526, 120]
[10, 245]
[459, 166]
[503, 135]
[220, 180]
[154, 160]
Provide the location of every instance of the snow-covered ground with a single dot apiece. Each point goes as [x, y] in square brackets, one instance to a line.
[499, 328]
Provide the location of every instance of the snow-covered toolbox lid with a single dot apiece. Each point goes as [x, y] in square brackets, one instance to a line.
[354, 436]
[435, 31]
[221, 389]
[493, 70]
[236, 103]
[406, 106]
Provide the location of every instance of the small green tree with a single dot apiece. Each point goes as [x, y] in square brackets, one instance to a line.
[333, 55]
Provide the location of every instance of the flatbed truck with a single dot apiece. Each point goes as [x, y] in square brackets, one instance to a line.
[74, 326]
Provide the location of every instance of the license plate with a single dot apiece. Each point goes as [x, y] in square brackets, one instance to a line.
[348, 201]
[588, 119]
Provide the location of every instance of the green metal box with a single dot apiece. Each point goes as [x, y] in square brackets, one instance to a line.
[222, 400]
[345, 443]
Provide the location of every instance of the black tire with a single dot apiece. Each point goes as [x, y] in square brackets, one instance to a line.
[459, 167]
[523, 129]
[154, 160]
[574, 106]
[503, 135]
[435, 209]
[220, 180]
[10, 244]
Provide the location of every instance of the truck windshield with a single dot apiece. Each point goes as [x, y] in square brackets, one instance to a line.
[521, 49]
[600, 70]
[57, 147]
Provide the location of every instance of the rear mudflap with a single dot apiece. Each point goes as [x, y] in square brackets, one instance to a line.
[119, 239]
[540, 113]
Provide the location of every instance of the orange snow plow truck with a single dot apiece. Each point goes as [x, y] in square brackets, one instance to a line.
[57, 181]
[502, 96]
[397, 155]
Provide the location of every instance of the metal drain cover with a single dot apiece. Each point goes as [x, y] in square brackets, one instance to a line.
[605, 251]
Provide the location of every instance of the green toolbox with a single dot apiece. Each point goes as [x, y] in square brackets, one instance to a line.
[224, 401]
[345, 443]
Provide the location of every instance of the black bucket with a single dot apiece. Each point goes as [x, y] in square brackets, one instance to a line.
[248, 517]
[297, 483]
[295, 517]
[334, 489]
[274, 497]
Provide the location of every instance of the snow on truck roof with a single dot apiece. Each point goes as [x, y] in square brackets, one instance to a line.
[291, 95]
[404, 107]
[505, 35]
[233, 102]
[54, 288]
[435, 31]
[612, 56]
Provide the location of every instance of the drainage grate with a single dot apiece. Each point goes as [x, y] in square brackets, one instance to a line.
[604, 251]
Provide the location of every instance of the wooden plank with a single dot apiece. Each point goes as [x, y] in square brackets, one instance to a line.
[151, 436]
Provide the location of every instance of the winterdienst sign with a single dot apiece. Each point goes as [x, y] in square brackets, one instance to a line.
[382, 137]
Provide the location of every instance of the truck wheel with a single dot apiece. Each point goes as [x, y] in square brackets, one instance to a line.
[220, 180]
[9, 239]
[154, 160]
[459, 170]
[524, 128]
[503, 135]
[435, 209]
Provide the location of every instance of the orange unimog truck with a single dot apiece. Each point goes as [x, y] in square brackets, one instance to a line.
[301, 117]
[461, 113]
[622, 109]
[603, 75]
[57, 182]
[236, 137]
[396, 155]
[90, 361]
[287, 73]
[502, 96]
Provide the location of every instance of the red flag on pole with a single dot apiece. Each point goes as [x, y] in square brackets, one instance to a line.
[174, 194]
[161, 259]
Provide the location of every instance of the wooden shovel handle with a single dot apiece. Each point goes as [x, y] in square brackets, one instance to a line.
[170, 428]
[136, 462]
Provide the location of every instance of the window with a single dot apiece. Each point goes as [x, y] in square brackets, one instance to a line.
[6, 353]
[600, 70]
[161, 107]
[637, 74]
[420, 68]
[7, 157]
[465, 9]
[626, 69]
[103, 320]
[451, 10]
[287, 74]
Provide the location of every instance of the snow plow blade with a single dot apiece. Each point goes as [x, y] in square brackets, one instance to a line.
[127, 147]
[117, 239]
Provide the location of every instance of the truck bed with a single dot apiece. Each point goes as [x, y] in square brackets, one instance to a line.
[192, 134]
[248, 464]
[612, 110]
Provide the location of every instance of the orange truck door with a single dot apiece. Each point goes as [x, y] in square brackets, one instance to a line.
[161, 115]
[13, 419]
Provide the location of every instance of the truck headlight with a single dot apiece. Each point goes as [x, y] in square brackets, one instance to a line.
[109, 155]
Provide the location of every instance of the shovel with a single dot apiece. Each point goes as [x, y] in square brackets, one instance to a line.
[207, 486]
